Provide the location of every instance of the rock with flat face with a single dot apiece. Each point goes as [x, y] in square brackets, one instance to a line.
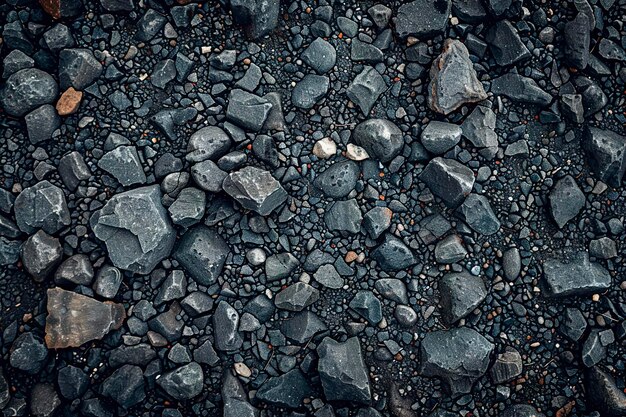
[566, 200]
[606, 153]
[366, 88]
[296, 297]
[393, 254]
[339, 179]
[226, 327]
[125, 386]
[288, 390]
[208, 143]
[603, 393]
[576, 276]
[508, 366]
[26, 90]
[381, 138]
[422, 18]
[320, 55]
[308, 91]
[478, 214]
[28, 353]
[458, 356]
[506, 46]
[342, 371]
[202, 252]
[41, 206]
[255, 189]
[521, 410]
[521, 89]
[449, 180]
[453, 80]
[344, 216]
[136, 229]
[236, 403]
[74, 319]
[184, 382]
[78, 68]
[479, 128]
[460, 293]
[577, 39]
[124, 164]
[247, 110]
[40, 254]
[258, 17]
[440, 137]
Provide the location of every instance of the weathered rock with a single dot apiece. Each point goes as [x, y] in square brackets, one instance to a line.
[75, 270]
[208, 143]
[61, 8]
[302, 327]
[124, 164]
[422, 18]
[188, 208]
[280, 266]
[377, 221]
[78, 68]
[69, 102]
[449, 180]
[440, 137]
[381, 138]
[344, 216]
[453, 80]
[342, 371]
[296, 297]
[577, 38]
[367, 306]
[208, 176]
[392, 289]
[202, 252]
[73, 382]
[41, 206]
[521, 410]
[41, 123]
[566, 200]
[235, 399]
[184, 382]
[575, 276]
[478, 214]
[506, 46]
[320, 55]
[450, 249]
[226, 326]
[258, 17]
[247, 110]
[606, 151]
[74, 319]
[459, 356]
[479, 127]
[308, 91]
[366, 88]
[574, 324]
[393, 254]
[73, 170]
[40, 254]
[508, 366]
[521, 89]
[328, 276]
[44, 400]
[125, 386]
[460, 293]
[255, 189]
[603, 394]
[339, 179]
[136, 229]
[26, 90]
[28, 353]
[287, 390]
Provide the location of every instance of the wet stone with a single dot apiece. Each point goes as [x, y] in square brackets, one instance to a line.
[450, 250]
[288, 390]
[78, 68]
[184, 382]
[606, 153]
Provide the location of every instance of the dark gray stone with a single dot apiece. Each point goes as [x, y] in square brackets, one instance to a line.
[247, 110]
[479, 128]
[125, 386]
[328, 276]
[308, 91]
[449, 180]
[566, 200]
[302, 327]
[226, 327]
[202, 253]
[255, 189]
[149, 25]
[296, 297]
[440, 137]
[164, 72]
[208, 143]
[603, 394]
[258, 17]
[521, 89]
[108, 281]
[124, 164]
[381, 138]
[280, 266]
[208, 176]
[339, 179]
[393, 254]
[366, 88]
[367, 306]
[40, 254]
[344, 216]
[507, 366]
[575, 276]
[184, 382]
[26, 90]
[505, 44]
[393, 289]
[521, 410]
[320, 55]
[478, 214]
[73, 170]
[511, 263]
[75, 270]
[188, 208]
[78, 68]
[28, 353]
[460, 293]
[574, 324]
[450, 250]
[73, 382]
[577, 39]
[377, 221]
[235, 399]
[422, 18]
[41, 123]
[287, 390]
[41, 206]
[606, 152]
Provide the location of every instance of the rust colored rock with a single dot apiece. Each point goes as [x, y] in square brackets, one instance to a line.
[59, 9]
[74, 319]
[69, 102]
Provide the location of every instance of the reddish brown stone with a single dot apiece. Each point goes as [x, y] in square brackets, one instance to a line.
[69, 102]
[61, 8]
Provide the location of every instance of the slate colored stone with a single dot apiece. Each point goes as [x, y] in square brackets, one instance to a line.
[521, 410]
[73, 170]
[459, 356]
[41, 123]
[184, 382]
[255, 189]
[202, 253]
[40, 254]
[328, 276]
[73, 382]
[392, 289]
[287, 390]
[41, 206]
[479, 128]
[453, 80]
[339, 179]
[478, 214]
[573, 324]
[460, 293]
[26, 90]
[258, 17]
[226, 325]
[606, 152]
[149, 25]
[296, 297]
[28, 353]
[521, 89]
[505, 44]
[377, 221]
[74, 319]
[125, 386]
[188, 208]
[577, 39]
[511, 263]
[366, 88]
[508, 366]
[343, 372]
[308, 91]
[75, 270]
[449, 180]
[367, 306]
[302, 327]
[208, 176]
[603, 394]
[124, 164]
[208, 143]
[440, 137]
[62, 8]
[575, 276]
[344, 216]
[381, 138]
[422, 18]
[566, 200]
[78, 68]
[393, 254]
[320, 55]
[280, 266]
[247, 110]
[450, 249]
[136, 229]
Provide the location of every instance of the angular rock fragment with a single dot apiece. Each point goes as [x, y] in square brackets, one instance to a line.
[258, 17]
[125, 386]
[366, 88]
[508, 366]
[393, 254]
[75, 270]
[149, 25]
[479, 128]
[255, 189]
[40, 254]
[61, 8]
[320, 55]
[184, 382]
[302, 327]
[566, 200]
[235, 398]
[4, 391]
[606, 151]
[575, 276]
[44, 400]
[572, 107]
[296, 297]
[478, 214]
[342, 371]
[247, 110]
[520, 88]
[74, 319]
[459, 356]
[339, 179]
[453, 80]
[521, 410]
[202, 253]
[450, 249]
[41, 206]
[308, 91]
[328, 276]
[392, 289]
[381, 138]
[208, 143]
[377, 221]
[449, 180]
[26, 90]
[78, 68]
[108, 281]
[41, 123]
[136, 229]
[603, 394]
[577, 38]
[460, 293]
[124, 164]
[367, 306]
[280, 266]
[188, 209]
[422, 18]
[287, 390]
[73, 170]
[573, 324]
[440, 137]
[226, 327]
[506, 46]
[344, 216]
[594, 349]
[28, 353]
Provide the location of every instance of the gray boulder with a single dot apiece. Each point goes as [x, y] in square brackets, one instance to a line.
[566, 200]
[26, 90]
[478, 214]
[606, 153]
[460, 293]
[320, 55]
[366, 88]
[184, 382]
[449, 180]
[41, 206]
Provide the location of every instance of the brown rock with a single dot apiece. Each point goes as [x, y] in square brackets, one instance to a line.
[61, 8]
[74, 319]
[69, 102]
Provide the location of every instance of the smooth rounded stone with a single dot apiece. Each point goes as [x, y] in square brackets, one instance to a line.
[108, 281]
[338, 180]
[247, 110]
[41, 123]
[41, 206]
[320, 55]
[208, 176]
[478, 214]
[73, 382]
[125, 386]
[202, 253]
[460, 293]
[296, 297]
[606, 154]
[459, 356]
[422, 18]
[449, 180]
[405, 315]
[440, 137]
[566, 200]
[288, 390]
[344, 216]
[479, 127]
[28, 353]
[26, 90]
[367, 306]
[40, 254]
[342, 371]
[381, 138]
[124, 164]
[258, 18]
[184, 382]
[505, 44]
[74, 319]
[377, 221]
[256, 256]
[520, 89]
[208, 143]
[393, 254]
[280, 266]
[324, 148]
[328, 276]
[450, 249]
[603, 248]
[226, 327]
[577, 40]
[575, 275]
[302, 327]
[521, 410]
[78, 68]
[75, 270]
[255, 189]
[366, 88]
[309, 91]
[393, 289]
[136, 229]
[603, 394]
[507, 366]
[511, 263]
[453, 80]
[44, 400]
[188, 208]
